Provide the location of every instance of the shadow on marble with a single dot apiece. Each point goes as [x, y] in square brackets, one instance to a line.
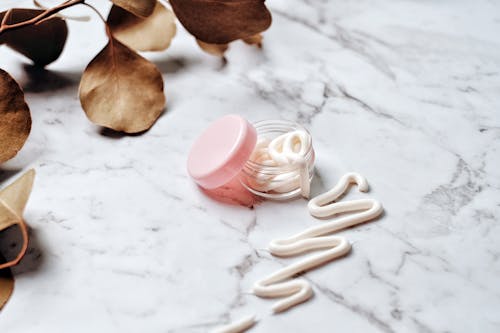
[39, 80]
[112, 134]
[6, 174]
[317, 184]
[11, 241]
[175, 65]
[232, 193]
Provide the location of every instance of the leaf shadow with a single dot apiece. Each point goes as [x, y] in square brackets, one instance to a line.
[112, 134]
[39, 79]
[173, 65]
[6, 174]
[10, 244]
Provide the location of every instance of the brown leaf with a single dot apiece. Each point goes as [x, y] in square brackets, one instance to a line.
[6, 284]
[213, 49]
[254, 40]
[142, 8]
[15, 118]
[153, 33]
[13, 200]
[42, 43]
[222, 21]
[121, 90]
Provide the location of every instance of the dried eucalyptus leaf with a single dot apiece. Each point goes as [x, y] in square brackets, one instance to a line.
[13, 200]
[254, 40]
[121, 90]
[6, 284]
[15, 118]
[222, 21]
[42, 43]
[213, 49]
[153, 33]
[142, 8]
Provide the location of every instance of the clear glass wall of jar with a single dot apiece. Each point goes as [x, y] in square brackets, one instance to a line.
[276, 182]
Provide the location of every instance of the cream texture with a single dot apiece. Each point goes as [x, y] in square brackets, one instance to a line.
[289, 151]
[295, 291]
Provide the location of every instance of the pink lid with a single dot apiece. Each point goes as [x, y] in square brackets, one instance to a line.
[221, 151]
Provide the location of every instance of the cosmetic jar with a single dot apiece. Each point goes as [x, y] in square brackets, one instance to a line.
[232, 147]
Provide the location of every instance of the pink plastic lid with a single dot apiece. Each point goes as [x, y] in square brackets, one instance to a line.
[221, 151]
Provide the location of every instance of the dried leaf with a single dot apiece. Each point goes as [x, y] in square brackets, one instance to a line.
[222, 21]
[121, 90]
[13, 200]
[213, 49]
[42, 43]
[15, 118]
[254, 40]
[6, 284]
[153, 33]
[142, 8]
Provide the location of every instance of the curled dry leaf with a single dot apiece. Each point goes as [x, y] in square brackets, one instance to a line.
[142, 8]
[213, 49]
[121, 90]
[153, 33]
[222, 21]
[13, 200]
[15, 118]
[42, 43]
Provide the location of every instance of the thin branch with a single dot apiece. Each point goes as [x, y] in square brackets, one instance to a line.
[47, 13]
[66, 17]
[6, 17]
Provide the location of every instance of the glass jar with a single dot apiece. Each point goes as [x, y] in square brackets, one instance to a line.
[279, 182]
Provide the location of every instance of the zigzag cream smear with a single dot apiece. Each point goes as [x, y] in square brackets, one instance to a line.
[295, 291]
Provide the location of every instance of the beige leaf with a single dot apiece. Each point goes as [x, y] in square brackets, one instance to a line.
[13, 200]
[213, 49]
[153, 33]
[15, 118]
[121, 90]
[142, 8]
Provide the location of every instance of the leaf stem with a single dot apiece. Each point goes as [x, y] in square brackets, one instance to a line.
[73, 18]
[42, 16]
[108, 32]
[95, 10]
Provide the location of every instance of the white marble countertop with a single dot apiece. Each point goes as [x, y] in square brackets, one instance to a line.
[404, 92]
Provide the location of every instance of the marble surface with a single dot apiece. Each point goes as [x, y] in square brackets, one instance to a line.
[404, 92]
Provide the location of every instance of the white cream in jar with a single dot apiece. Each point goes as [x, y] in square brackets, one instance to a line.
[273, 159]
[282, 163]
